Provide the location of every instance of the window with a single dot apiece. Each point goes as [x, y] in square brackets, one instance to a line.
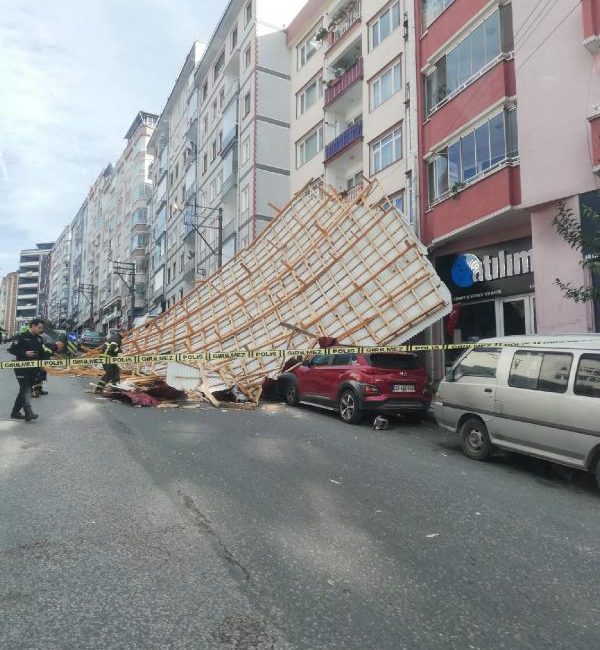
[397, 200]
[431, 9]
[343, 359]
[234, 38]
[205, 124]
[309, 147]
[246, 150]
[221, 98]
[219, 65]
[465, 60]
[386, 23]
[248, 13]
[386, 151]
[307, 48]
[488, 145]
[320, 360]
[204, 163]
[545, 371]
[355, 180]
[247, 57]
[214, 149]
[309, 95]
[214, 110]
[140, 215]
[385, 85]
[587, 379]
[246, 103]
[205, 91]
[482, 362]
[245, 199]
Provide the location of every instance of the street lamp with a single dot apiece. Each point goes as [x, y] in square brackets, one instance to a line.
[192, 222]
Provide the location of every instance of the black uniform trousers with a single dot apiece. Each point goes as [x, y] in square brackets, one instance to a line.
[24, 396]
[111, 375]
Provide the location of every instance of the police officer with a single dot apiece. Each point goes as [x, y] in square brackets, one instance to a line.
[111, 348]
[29, 346]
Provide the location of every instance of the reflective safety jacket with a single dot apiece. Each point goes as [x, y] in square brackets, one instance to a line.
[112, 347]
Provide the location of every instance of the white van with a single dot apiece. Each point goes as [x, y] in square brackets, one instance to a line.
[536, 395]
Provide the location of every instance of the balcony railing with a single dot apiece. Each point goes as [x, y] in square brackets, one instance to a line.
[353, 192]
[340, 85]
[351, 18]
[345, 139]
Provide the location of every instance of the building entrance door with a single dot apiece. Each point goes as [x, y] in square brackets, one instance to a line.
[515, 316]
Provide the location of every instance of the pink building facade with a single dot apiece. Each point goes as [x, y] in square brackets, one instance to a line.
[509, 125]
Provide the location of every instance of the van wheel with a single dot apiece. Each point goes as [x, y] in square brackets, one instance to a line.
[291, 394]
[348, 408]
[475, 440]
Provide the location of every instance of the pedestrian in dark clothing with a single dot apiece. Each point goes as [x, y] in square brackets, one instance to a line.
[29, 346]
[111, 348]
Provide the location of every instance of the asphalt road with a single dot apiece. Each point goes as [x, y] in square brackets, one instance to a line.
[281, 528]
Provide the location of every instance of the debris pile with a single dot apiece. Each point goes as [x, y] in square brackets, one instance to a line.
[353, 270]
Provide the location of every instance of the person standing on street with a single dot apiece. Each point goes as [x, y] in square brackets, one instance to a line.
[111, 348]
[29, 346]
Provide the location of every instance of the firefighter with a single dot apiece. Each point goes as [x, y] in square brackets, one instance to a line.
[28, 346]
[112, 348]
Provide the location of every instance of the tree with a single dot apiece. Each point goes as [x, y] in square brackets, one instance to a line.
[582, 236]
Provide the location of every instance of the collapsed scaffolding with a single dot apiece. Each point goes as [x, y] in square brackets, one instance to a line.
[354, 270]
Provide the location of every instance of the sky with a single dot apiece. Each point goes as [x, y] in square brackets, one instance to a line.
[73, 76]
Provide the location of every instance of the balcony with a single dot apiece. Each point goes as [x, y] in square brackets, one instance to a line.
[341, 84]
[591, 25]
[344, 21]
[346, 139]
[229, 138]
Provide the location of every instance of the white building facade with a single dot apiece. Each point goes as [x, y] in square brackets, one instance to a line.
[353, 102]
[59, 285]
[31, 266]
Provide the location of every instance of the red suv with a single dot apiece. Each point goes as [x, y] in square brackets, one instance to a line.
[390, 382]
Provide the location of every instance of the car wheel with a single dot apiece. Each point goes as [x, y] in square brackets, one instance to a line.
[348, 407]
[475, 440]
[415, 417]
[598, 472]
[291, 394]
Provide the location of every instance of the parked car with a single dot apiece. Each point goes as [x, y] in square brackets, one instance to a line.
[537, 395]
[353, 384]
[91, 339]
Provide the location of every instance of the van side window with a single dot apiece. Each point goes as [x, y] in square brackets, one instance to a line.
[547, 371]
[587, 379]
[480, 362]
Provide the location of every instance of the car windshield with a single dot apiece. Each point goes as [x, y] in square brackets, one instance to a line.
[393, 361]
[91, 335]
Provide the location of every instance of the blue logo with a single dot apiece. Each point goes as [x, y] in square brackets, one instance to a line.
[464, 269]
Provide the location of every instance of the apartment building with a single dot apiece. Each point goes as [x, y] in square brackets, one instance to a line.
[31, 269]
[123, 265]
[59, 287]
[77, 311]
[8, 303]
[353, 104]
[489, 107]
[221, 146]
[171, 267]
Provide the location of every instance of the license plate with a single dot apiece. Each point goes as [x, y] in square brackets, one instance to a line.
[404, 388]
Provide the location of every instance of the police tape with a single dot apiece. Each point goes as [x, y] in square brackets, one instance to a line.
[192, 357]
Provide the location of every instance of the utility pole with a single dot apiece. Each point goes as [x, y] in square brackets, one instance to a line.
[87, 291]
[123, 269]
[192, 222]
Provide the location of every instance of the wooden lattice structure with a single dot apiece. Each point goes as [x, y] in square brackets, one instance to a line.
[349, 269]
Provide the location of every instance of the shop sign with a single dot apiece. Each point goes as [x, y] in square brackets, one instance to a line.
[502, 270]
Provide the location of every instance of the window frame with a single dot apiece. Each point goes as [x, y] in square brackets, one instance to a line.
[301, 160]
[302, 58]
[377, 144]
[376, 22]
[377, 79]
[479, 350]
[301, 106]
[247, 105]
